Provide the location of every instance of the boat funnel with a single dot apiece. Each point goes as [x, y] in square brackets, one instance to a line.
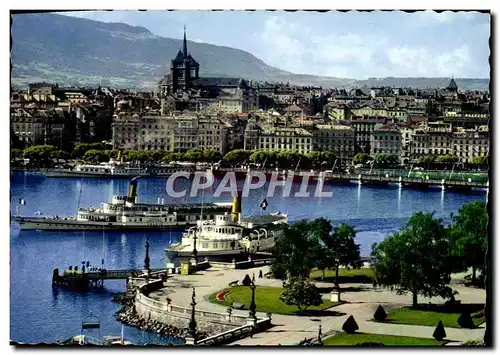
[236, 206]
[132, 190]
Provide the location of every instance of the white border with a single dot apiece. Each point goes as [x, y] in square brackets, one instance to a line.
[193, 5]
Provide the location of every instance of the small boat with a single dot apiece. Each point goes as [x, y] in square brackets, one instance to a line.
[93, 322]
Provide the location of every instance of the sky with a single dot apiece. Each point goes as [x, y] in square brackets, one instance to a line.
[339, 44]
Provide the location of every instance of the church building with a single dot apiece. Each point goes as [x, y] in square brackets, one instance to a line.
[183, 89]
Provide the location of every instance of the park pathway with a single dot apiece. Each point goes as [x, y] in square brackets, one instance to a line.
[362, 301]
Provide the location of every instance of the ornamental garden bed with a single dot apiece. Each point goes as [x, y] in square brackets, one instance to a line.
[430, 315]
[267, 299]
[344, 339]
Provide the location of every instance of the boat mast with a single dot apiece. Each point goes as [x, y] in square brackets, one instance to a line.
[79, 197]
[103, 249]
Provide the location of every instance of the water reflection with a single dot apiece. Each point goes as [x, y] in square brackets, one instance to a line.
[400, 192]
[442, 200]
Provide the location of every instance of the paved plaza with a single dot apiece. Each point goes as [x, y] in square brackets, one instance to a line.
[362, 301]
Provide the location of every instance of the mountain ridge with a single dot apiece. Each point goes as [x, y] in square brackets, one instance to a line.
[75, 51]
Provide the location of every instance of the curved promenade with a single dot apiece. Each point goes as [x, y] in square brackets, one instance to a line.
[362, 301]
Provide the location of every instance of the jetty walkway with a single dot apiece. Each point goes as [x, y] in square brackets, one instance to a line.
[95, 278]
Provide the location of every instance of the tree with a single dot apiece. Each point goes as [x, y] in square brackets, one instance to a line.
[61, 154]
[246, 281]
[439, 333]
[194, 156]
[350, 326]
[465, 320]
[40, 154]
[416, 259]
[321, 159]
[469, 235]
[300, 292]
[339, 248]
[237, 157]
[259, 157]
[447, 159]
[361, 158]
[113, 153]
[82, 148]
[16, 153]
[96, 156]
[427, 161]
[157, 155]
[294, 253]
[481, 161]
[288, 159]
[380, 314]
[212, 156]
[386, 160]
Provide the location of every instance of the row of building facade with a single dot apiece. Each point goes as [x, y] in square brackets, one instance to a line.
[188, 111]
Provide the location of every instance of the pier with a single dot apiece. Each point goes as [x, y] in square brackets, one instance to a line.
[83, 279]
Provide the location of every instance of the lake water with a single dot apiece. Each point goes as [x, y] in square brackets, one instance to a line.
[40, 313]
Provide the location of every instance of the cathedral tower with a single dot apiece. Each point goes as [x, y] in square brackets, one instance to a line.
[183, 69]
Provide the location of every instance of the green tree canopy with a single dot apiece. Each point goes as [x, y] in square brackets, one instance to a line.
[82, 148]
[212, 156]
[340, 248]
[416, 259]
[40, 154]
[469, 235]
[386, 160]
[300, 292]
[426, 160]
[61, 154]
[447, 159]
[321, 159]
[481, 161]
[294, 253]
[237, 157]
[96, 156]
[16, 153]
[361, 158]
[288, 159]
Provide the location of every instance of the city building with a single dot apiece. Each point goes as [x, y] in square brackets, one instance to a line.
[386, 139]
[363, 129]
[469, 144]
[43, 127]
[177, 133]
[337, 139]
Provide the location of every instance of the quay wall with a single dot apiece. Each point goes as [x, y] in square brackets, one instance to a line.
[165, 312]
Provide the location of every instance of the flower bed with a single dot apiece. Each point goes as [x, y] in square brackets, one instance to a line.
[221, 296]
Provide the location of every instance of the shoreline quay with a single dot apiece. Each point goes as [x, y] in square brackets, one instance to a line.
[128, 316]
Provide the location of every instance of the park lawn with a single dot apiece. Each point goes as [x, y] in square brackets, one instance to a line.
[406, 315]
[344, 273]
[266, 299]
[344, 339]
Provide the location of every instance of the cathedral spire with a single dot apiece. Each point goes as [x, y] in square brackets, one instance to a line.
[184, 44]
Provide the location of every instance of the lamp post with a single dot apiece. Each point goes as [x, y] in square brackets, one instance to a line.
[253, 307]
[195, 251]
[192, 322]
[146, 260]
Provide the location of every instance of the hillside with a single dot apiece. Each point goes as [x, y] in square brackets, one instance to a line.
[75, 51]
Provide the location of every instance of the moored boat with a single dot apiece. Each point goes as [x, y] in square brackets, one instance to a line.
[126, 213]
[116, 169]
[229, 236]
